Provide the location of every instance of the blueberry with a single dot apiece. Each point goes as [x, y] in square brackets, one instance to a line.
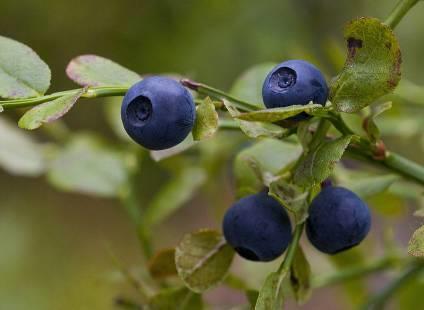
[294, 82]
[158, 112]
[257, 227]
[338, 220]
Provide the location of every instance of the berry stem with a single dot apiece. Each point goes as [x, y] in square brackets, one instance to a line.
[319, 135]
[399, 12]
[378, 301]
[219, 94]
[288, 260]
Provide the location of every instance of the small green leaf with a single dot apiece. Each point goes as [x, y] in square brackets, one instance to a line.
[22, 72]
[279, 114]
[92, 70]
[270, 155]
[254, 129]
[372, 68]
[271, 293]
[292, 197]
[179, 298]
[416, 244]
[19, 153]
[300, 276]
[319, 163]
[367, 187]
[174, 194]
[203, 259]
[370, 125]
[261, 130]
[206, 120]
[48, 111]
[248, 86]
[175, 150]
[85, 165]
[162, 265]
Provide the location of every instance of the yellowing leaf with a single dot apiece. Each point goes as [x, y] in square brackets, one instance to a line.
[206, 120]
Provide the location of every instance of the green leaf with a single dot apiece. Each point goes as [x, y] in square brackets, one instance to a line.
[19, 153]
[162, 265]
[372, 68]
[369, 123]
[416, 244]
[292, 197]
[49, 111]
[174, 194]
[367, 187]
[87, 166]
[319, 163]
[206, 120]
[179, 298]
[92, 70]
[22, 72]
[175, 150]
[203, 259]
[271, 293]
[270, 155]
[300, 276]
[279, 114]
[248, 86]
[254, 129]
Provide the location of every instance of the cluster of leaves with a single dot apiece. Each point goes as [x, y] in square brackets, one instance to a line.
[291, 167]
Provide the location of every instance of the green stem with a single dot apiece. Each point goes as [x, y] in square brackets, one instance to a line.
[288, 260]
[320, 133]
[399, 12]
[92, 92]
[364, 151]
[352, 273]
[378, 301]
[404, 167]
[218, 94]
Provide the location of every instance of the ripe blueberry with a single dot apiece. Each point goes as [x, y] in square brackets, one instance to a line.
[257, 227]
[158, 112]
[294, 82]
[338, 220]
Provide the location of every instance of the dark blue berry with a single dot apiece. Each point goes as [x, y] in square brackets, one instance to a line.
[338, 220]
[294, 82]
[158, 112]
[257, 227]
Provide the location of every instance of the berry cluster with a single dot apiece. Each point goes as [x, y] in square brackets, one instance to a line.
[159, 113]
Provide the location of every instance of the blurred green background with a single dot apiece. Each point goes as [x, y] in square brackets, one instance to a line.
[55, 246]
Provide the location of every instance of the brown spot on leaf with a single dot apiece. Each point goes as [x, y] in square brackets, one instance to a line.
[388, 45]
[352, 45]
[396, 72]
